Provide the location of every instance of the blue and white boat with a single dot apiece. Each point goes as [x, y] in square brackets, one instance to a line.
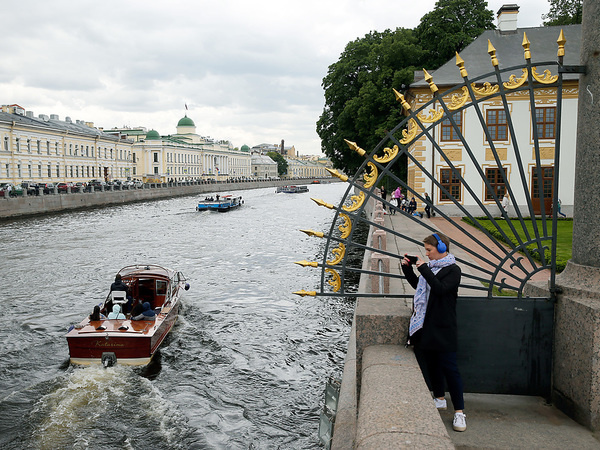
[221, 203]
[291, 189]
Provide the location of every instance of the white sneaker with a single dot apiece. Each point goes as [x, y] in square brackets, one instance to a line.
[440, 404]
[460, 422]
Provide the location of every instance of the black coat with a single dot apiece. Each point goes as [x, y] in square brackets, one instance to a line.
[440, 330]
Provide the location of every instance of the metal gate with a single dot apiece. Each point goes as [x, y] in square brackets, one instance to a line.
[505, 336]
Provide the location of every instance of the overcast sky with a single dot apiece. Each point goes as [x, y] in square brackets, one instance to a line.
[249, 71]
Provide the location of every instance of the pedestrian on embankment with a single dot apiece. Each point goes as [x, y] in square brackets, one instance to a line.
[433, 329]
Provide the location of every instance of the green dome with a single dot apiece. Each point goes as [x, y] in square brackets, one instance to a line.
[245, 148]
[186, 122]
[152, 135]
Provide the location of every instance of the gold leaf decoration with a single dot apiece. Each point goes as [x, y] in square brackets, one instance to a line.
[410, 133]
[355, 147]
[357, 201]
[335, 173]
[457, 101]
[339, 253]
[304, 293]
[389, 154]
[336, 281]
[486, 89]
[547, 78]
[320, 202]
[370, 177]
[432, 116]
[514, 82]
[346, 227]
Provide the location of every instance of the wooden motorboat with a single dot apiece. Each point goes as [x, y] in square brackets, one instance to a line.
[128, 341]
[221, 203]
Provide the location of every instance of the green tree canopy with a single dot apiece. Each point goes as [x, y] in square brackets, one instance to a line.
[359, 100]
[564, 12]
[282, 164]
[451, 26]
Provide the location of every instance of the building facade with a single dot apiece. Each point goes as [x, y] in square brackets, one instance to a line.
[507, 41]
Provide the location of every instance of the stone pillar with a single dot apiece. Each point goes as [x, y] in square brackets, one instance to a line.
[379, 239]
[576, 380]
[376, 279]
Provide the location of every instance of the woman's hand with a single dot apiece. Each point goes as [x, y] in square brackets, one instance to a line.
[405, 261]
[419, 262]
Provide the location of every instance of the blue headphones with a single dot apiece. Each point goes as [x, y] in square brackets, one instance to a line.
[441, 247]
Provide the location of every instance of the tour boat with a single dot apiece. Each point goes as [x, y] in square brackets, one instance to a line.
[221, 203]
[292, 189]
[127, 341]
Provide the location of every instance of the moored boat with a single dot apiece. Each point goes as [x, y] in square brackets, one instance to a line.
[125, 340]
[292, 189]
[221, 203]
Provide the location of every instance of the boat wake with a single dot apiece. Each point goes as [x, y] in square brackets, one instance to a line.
[100, 408]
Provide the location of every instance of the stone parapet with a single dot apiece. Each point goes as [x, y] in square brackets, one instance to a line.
[396, 408]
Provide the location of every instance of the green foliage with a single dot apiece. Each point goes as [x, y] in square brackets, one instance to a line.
[563, 12]
[282, 164]
[359, 102]
[564, 240]
[451, 26]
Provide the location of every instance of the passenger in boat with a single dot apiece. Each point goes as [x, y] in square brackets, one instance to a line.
[147, 313]
[96, 315]
[116, 313]
[118, 285]
[137, 310]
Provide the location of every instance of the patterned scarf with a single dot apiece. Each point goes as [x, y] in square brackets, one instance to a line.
[422, 293]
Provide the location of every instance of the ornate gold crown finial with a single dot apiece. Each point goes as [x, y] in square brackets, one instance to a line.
[461, 65]
[492, 53]
[429, 80]
[561, 44]
[320, 202]
[305, 263]
[403, 102]
[526, 44]
[335, 173]
[318, 234]
[355, 147]
[304, 293]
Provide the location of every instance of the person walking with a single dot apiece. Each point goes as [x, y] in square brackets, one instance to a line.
[427, 205]
[383, 195]
[433, 329]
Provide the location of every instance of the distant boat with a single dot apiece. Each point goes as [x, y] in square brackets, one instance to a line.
[291, 189]
[123, 340]
[221, 203]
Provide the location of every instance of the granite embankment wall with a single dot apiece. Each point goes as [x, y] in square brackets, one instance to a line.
[51, 203]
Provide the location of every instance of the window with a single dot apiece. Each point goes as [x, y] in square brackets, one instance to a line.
[450, 181]
[18, 144]
[156, 157]
[496, 124]
[40, 170]
[6, 143]
[449, 133]
[76, 149]
[7, 170]
[39, 147]
[87, 150]
[49, 171]
[134, 158]
[58, 170]
[70, 149]
[494, 177]
[546, 122]
[29, 145]
[547, 182]
[30, 171]
[19, 171]
[156, 170]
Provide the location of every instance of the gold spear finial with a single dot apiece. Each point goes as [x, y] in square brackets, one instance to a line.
[561, 45]
[429, 80]
[318, 234]
[335, 173]
[526, 44]
[303, 293]
[403, 102]
[305, 263]
[320, 202]
[461, 65]
[492, 53]
[355, 147]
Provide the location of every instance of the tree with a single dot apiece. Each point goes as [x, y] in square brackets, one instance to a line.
[563, 12]
[282, 164]
[451, 26]
[359, 101]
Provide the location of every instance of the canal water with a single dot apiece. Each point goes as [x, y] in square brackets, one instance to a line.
[244, 367]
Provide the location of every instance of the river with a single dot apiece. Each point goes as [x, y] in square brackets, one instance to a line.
[244, 367]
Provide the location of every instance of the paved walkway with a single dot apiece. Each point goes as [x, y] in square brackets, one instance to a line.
[494, 421]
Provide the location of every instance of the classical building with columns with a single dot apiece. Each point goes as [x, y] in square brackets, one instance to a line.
[185, 155]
